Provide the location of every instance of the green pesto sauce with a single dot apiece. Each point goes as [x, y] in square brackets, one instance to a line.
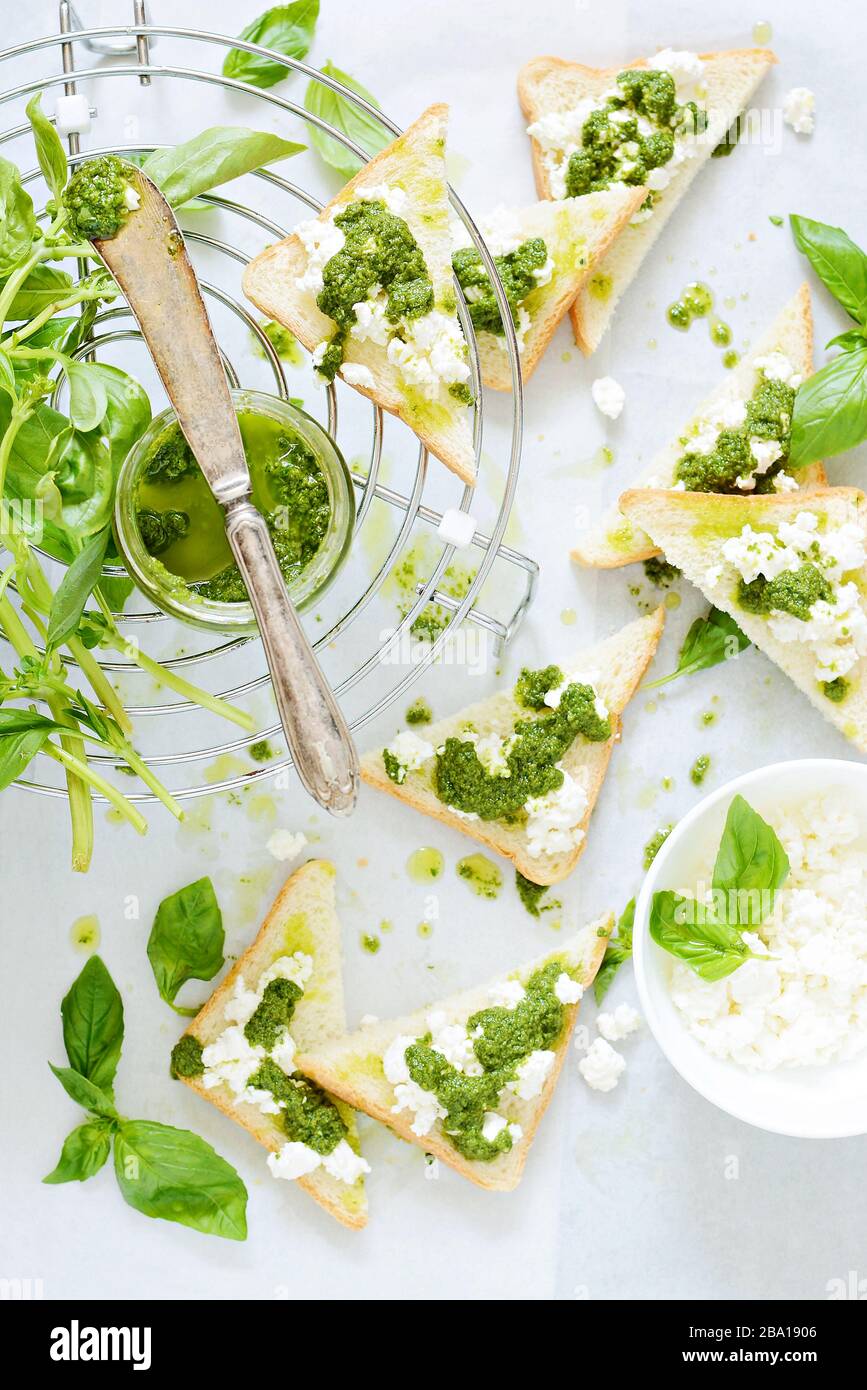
[380, 250]
[506, 1038]
[616, 150]
[425, 864]
[261, 752]
[768, 416]
[273, 1013]
[481, 874]
[282, 341]
[660, 572]
[370, 944]
[531, 895]
[182, 524]
[516, 271]
[699, 769]
[462, 781]
[793, 592]
[836, 690]
[187, 1057]
[533, 686]
[308, 1115]
[655, 843]
[419, 712]
[95, 197]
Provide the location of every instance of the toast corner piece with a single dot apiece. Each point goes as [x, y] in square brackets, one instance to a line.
[622, 660]
[302, 917]
[691, 528]
[548, 84]
[416, 161]
[578, 233]
[352, 1067]
[616, 540]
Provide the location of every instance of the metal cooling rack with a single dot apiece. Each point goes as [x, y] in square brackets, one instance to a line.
[364, 664]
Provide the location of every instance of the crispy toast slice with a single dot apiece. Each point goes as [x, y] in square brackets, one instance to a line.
[620, 661]
[302, 918]
[352, 1067]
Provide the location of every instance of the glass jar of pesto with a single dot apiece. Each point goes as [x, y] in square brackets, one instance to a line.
[171, 531]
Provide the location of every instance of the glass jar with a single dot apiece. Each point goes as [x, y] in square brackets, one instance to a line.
[172, 593]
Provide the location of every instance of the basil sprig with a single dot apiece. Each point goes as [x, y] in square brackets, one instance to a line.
[618, 950]
[186, 940]
[217, 155]
[161, 1171]
[751, 865]
[344, 115]
[288, 29]
[830, 412]
[709, 641]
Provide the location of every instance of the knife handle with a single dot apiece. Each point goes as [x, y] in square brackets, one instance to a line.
[316, 732]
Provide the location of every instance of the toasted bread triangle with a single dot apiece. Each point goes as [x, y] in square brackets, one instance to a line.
[621, 661]
[613, 542]
[416, 163]
[550, 84]
[577, 233]
[302, 918]
[691, 529]
[351, 1067]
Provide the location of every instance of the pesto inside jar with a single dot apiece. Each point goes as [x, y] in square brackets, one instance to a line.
[182, 526]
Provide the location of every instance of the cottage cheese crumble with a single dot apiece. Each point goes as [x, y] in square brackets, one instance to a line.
[799, 110]
[836, 629]
[807, 1006]
[602, 1067]
[609, 396]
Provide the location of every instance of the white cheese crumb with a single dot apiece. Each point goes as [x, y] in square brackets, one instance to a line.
[506, 994]
[619, 1024]
[284, 845]
[567, 990]
[799, 110]
[608, 396]
[410, 752]
[431, 1168]
[532, 1073]
[554, 820]
[356, 374]
[602, 1067]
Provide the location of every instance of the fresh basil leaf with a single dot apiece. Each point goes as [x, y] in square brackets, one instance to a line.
[186, 941]
[17, 219]
[709, 641]
[75, 588]
[92, 1014]
[618, 950]
[288, 29]
[128, 410]
[43, 286]
[852, 338]
[49, 148]
[685, 929]
[84, 1152]
[115, 589]
[84, 476]
[88, 400]
[830, 412]
[344, 115]
[17, 751]
[839, 263]
[15, 721]
[215, 157]
[84, 1092]
[174, 1175]
[750, 862]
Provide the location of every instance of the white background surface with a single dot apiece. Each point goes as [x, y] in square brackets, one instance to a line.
[647, 1192]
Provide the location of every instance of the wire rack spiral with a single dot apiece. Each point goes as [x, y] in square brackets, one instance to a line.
[364, 632]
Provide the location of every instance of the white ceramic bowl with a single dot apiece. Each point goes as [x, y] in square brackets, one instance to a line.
[822, 1102]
